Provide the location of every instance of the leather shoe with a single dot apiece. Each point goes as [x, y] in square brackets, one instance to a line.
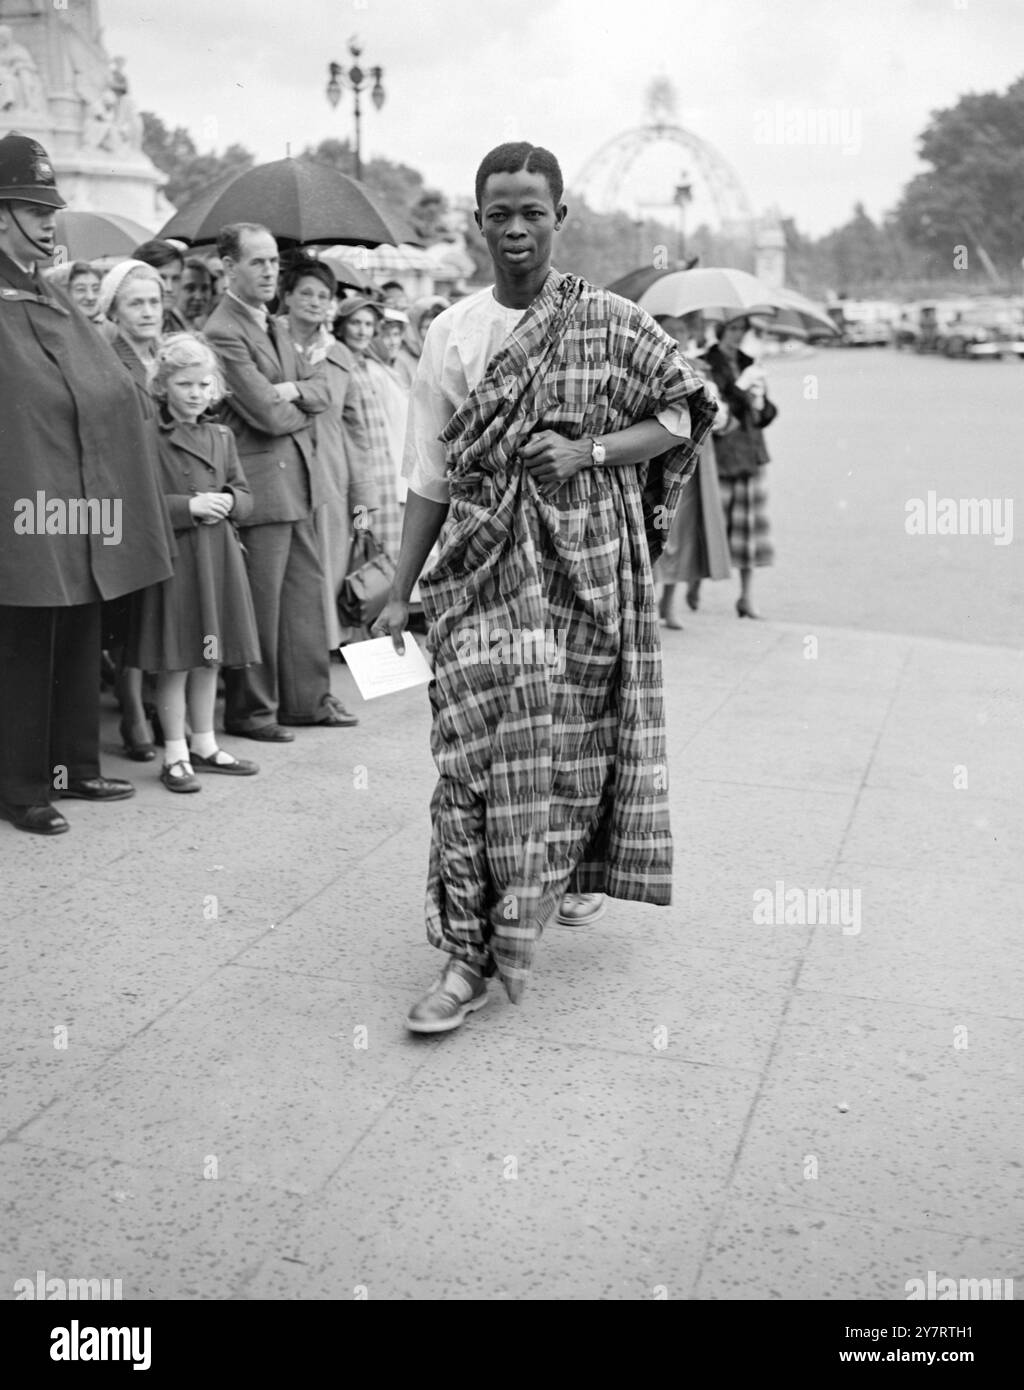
[98, 789]
[333, 715]
[336, 716]
[39, 820]
[266, 733]
[580, 909]
[183, 781]
[234, 767]
[457, 992]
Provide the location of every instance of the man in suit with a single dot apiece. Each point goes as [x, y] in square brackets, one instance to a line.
[271, 397]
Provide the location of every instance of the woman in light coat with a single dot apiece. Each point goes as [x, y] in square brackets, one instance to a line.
[341, 438]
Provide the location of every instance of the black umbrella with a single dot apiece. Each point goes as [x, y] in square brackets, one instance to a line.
[301, 201]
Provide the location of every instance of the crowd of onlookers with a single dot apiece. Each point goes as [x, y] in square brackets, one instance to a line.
[312, 377]
[198, 451]
[294, 365]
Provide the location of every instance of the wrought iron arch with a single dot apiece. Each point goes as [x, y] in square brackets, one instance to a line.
[601, 179]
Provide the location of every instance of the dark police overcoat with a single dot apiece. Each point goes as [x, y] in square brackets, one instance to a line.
[71, 428]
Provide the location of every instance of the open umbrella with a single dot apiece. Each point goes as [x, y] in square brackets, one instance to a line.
[302, 201]
[796, 316]
[719, 293]
[90, 235]
[631, 286]
[345, 269]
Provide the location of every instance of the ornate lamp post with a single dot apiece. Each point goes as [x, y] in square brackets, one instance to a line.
[355, 78]
[682, 198]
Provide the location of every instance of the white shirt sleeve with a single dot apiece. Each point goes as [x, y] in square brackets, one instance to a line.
[423, 460]
[675, 419]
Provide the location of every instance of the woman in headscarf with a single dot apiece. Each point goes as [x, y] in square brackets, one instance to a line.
[390, 384]
[354, 327]
[131, 300]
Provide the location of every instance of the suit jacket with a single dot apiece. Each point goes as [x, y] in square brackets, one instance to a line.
[70, 428]
[274, 438]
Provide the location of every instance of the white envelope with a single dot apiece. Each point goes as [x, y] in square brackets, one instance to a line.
[377, 669]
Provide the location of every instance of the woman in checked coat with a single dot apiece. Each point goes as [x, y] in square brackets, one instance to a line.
[741, 456]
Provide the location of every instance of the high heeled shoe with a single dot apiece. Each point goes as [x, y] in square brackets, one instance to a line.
[744, 610]
[140, 750]
[693, 596]
[665, 614]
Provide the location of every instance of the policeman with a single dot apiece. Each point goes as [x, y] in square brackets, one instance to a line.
[82, 517]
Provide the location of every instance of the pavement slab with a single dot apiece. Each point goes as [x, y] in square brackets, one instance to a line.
[723, 1099]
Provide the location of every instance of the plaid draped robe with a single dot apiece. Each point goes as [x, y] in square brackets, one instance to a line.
[548, 728]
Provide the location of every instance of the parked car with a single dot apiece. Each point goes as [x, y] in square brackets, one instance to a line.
[962, 327]
[984, 330]
[866, 322]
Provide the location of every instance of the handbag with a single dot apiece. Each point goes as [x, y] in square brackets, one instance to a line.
[741, 451]
[364, 591]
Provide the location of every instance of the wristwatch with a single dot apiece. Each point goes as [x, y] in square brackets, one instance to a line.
[597, 451]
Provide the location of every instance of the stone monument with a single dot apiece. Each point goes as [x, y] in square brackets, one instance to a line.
[58, 85]
[770, 250]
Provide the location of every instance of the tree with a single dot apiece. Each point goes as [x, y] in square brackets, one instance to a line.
[416, 209]
[175, 153]
[972, 195]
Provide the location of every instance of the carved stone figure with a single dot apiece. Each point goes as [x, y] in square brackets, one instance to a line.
[126, 118]
[20, 88]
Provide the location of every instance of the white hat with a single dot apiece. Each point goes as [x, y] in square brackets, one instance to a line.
[115, 278]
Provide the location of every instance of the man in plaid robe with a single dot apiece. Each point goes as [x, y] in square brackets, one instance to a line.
[535, 411]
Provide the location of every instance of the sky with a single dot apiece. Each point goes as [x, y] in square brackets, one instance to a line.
[461, 76]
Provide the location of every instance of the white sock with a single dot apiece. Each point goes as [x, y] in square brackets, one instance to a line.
[205, 744]
[175, 751]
